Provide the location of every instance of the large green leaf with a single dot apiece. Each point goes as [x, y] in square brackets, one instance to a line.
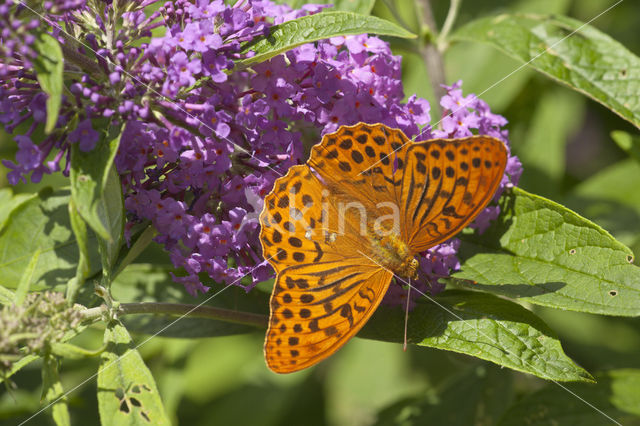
[40, 222]
[487, 393]
[316, 27]
[541, 252]
[614, 399]
[568, 51]
[127, 392]
[483, 326]
[49, 66]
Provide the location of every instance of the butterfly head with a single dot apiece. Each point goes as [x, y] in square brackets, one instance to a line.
[408, 268]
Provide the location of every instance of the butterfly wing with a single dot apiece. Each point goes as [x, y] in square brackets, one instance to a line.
[359, 162]
[439, 186]
[325, 288]
[299, 224]
[445, 184]
[314, 311]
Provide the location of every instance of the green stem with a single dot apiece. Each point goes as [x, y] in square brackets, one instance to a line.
[179, 309]
[22, 336]
[431, 56]
[452, 14]
[81, 61]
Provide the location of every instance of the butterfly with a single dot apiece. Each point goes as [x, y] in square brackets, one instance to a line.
[338, 228]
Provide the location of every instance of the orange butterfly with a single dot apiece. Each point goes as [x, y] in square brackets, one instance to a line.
[338, 228]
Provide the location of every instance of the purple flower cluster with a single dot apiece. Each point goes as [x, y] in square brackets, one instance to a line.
[17, 37]
[204, 139]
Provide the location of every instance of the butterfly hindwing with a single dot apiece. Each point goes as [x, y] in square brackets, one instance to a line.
[315, 310]
[325, 288]
[298, 224]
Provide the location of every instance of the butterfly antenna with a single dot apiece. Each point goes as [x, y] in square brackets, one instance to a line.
[406, 317]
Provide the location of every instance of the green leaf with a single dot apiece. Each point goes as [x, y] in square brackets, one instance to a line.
[127, 392]
[26, 279]
[483, 326]
[70, 351]
[17, 366]
[113, 209]
[487, 391]
[97, 193]
[629, 143]
[616, 396]
[49, 66]
[543, 253]
[490, 65]
[53, 393]
[91, 179]
[9, 202]
[316, 27]
[6, 296]
[42, 222]
[139, 243]
[588, 60]
[79, 227]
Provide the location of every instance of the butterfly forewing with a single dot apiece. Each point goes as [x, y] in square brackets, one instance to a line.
[446, 184]
[315, 310]
[360, 163]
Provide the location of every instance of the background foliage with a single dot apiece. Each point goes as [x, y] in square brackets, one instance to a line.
[575, 151]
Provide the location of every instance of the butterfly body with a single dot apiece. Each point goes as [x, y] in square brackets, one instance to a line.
[338, 228]
[395, 255]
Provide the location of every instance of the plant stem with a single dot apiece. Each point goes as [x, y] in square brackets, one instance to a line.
[431, 56]
[180, 309]
[452, 14]
[81, 61]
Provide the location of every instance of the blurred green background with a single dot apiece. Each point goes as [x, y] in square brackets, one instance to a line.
[564, 141]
